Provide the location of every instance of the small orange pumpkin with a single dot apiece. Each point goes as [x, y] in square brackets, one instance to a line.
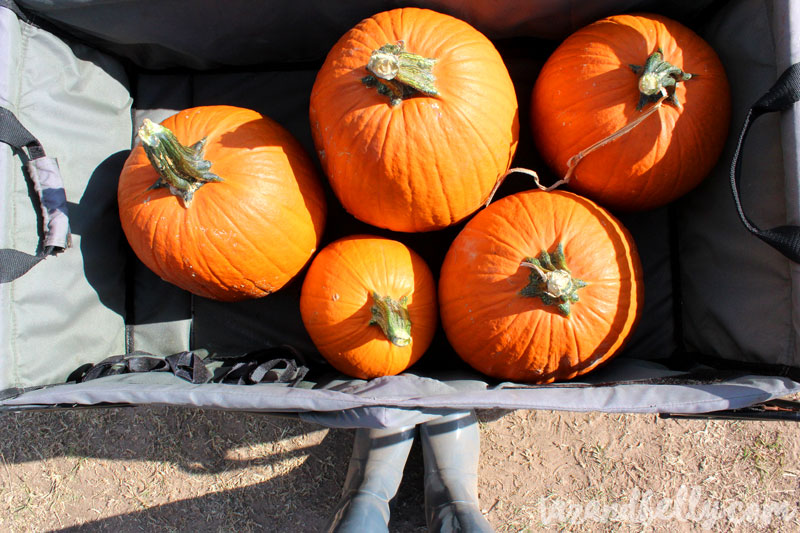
[540, 287]
[369, 306]
[605, 76]
[221, 201]
[414, 116]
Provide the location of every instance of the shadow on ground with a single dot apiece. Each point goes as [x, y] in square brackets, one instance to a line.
[179, 469]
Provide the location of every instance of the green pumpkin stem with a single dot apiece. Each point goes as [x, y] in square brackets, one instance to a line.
[392, 317]
[399, 74]
[181, 168]
[658, 77]
[551, 280]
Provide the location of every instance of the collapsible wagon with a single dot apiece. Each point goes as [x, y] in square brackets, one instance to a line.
[83, 322]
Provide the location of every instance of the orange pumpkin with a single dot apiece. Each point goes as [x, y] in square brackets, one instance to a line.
[540, 287]
[605, 76]
[222, 202]
[415, 117]
[369, 305]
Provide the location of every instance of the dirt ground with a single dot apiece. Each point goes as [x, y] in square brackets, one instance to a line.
[170, 469]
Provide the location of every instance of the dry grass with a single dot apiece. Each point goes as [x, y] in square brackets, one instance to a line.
[170, 469]
[595, 472]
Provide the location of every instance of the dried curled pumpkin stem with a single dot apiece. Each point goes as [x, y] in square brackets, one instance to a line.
[551, 280]
[399, 74]
[658, 76]
[392, 317]
[181, 168]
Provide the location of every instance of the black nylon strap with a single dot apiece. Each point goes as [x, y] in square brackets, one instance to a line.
[13, 133]
[14, 263]
[783, 94]
[272, 365]
[188, 366]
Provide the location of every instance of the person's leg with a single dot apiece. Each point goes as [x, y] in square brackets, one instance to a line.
[451, 449]
[373, 477]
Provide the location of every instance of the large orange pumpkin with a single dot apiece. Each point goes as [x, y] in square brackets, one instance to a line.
[222, 202]
[369, 305]
[540, 287]
[415, 117]
[605, 76]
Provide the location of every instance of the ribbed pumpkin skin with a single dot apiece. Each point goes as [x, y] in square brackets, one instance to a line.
[509, 336]
[244, 237]
[336, 299]
[429, 161]
[586, 91]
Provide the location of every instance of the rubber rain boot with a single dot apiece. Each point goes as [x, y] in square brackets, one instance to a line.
[373, 477]
[451, 450]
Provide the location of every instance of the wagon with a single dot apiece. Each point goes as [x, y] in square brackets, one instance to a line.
[89, 325]
[718, 331]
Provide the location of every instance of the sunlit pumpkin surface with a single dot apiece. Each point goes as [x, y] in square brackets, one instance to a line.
[587, 90]
[336, 302]
[428, 161]
[507, 335]
[243, 237]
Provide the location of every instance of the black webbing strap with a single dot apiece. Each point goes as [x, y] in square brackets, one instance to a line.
[282, 364]
[273, 365]
[43, 172]
[783, 94]
[13, 263]
[13, 133]
[699, 376]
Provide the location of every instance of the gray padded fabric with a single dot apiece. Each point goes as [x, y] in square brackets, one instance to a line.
[68, 310]
[385, 402]
[10, 40]
[737, 291]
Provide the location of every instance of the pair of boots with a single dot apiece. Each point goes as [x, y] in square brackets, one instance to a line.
[451, 448]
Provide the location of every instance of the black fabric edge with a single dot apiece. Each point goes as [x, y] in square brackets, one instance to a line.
[676, 279]
[14, 8]
[721, 364]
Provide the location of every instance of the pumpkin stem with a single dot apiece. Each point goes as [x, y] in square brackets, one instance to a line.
[392, 317]
[657, 75]
[399, 74]
[181, 168]
[551, 280]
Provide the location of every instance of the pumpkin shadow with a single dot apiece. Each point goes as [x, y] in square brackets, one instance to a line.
[95, 218]
[252, 135]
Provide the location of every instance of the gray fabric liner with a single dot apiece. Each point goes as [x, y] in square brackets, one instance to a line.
[8, 45]
[163, 329]
[73, 99]
[737, 291]
[733, 394]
